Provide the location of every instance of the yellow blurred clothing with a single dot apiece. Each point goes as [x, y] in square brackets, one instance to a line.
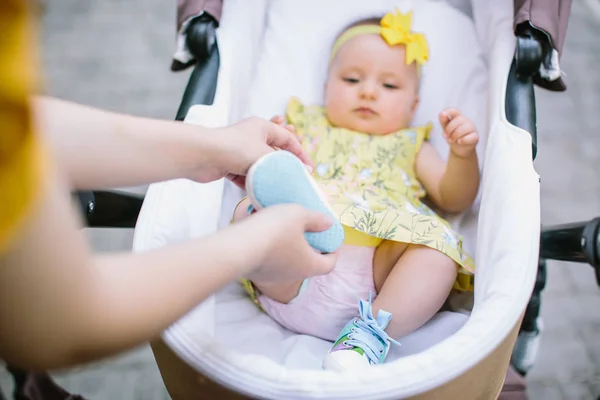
[20, 150]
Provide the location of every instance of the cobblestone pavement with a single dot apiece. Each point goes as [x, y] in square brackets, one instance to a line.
[116, 54]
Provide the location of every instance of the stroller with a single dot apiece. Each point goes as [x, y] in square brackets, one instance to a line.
[226, 347]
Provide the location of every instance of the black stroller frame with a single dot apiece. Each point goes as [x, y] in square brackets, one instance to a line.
[576, 242]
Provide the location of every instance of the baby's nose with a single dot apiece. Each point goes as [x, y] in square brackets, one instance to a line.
[368, 91]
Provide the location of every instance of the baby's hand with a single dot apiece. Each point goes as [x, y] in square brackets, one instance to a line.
[279, 120]
[459, 131]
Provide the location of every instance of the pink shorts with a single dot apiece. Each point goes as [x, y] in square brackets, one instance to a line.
[326, 303]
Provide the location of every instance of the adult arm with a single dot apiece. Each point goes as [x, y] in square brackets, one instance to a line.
[101, 149]
[61, 306]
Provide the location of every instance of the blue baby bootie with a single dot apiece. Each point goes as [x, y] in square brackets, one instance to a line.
[281, 178]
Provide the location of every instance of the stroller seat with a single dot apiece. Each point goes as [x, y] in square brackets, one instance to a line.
[271, 50]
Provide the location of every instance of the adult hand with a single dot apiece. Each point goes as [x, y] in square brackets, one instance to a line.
[279, 231]
[242, 144]
[279, 120]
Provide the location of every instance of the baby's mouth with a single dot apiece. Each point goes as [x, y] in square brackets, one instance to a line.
[365, 112]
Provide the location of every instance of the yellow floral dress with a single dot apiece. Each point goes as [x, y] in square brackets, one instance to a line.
[371, 184]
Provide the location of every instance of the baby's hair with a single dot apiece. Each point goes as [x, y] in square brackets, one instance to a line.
[360, 22]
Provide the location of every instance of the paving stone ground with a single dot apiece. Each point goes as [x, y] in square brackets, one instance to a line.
[115, 54]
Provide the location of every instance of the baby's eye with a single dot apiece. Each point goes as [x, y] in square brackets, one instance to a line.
[350, 80]
[390, 86]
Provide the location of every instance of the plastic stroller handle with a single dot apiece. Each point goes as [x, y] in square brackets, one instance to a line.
[574, 242]
[202, 85]
[520, 96]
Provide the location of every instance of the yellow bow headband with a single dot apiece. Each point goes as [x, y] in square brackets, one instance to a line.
[395, 29]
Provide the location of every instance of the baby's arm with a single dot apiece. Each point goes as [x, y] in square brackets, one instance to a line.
[452, 186]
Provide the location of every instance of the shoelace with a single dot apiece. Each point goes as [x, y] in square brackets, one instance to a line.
[368, 333]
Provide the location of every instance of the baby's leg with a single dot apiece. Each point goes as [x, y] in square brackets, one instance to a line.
[386, 256]
[413, 283]
[282, 293]
[415, 288]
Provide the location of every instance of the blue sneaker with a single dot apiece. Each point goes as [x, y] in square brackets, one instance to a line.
[281, 178]
[362, 343]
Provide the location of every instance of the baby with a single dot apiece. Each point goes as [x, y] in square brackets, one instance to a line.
[375, 170]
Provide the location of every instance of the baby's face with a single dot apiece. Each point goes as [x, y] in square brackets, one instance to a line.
[370, 88]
